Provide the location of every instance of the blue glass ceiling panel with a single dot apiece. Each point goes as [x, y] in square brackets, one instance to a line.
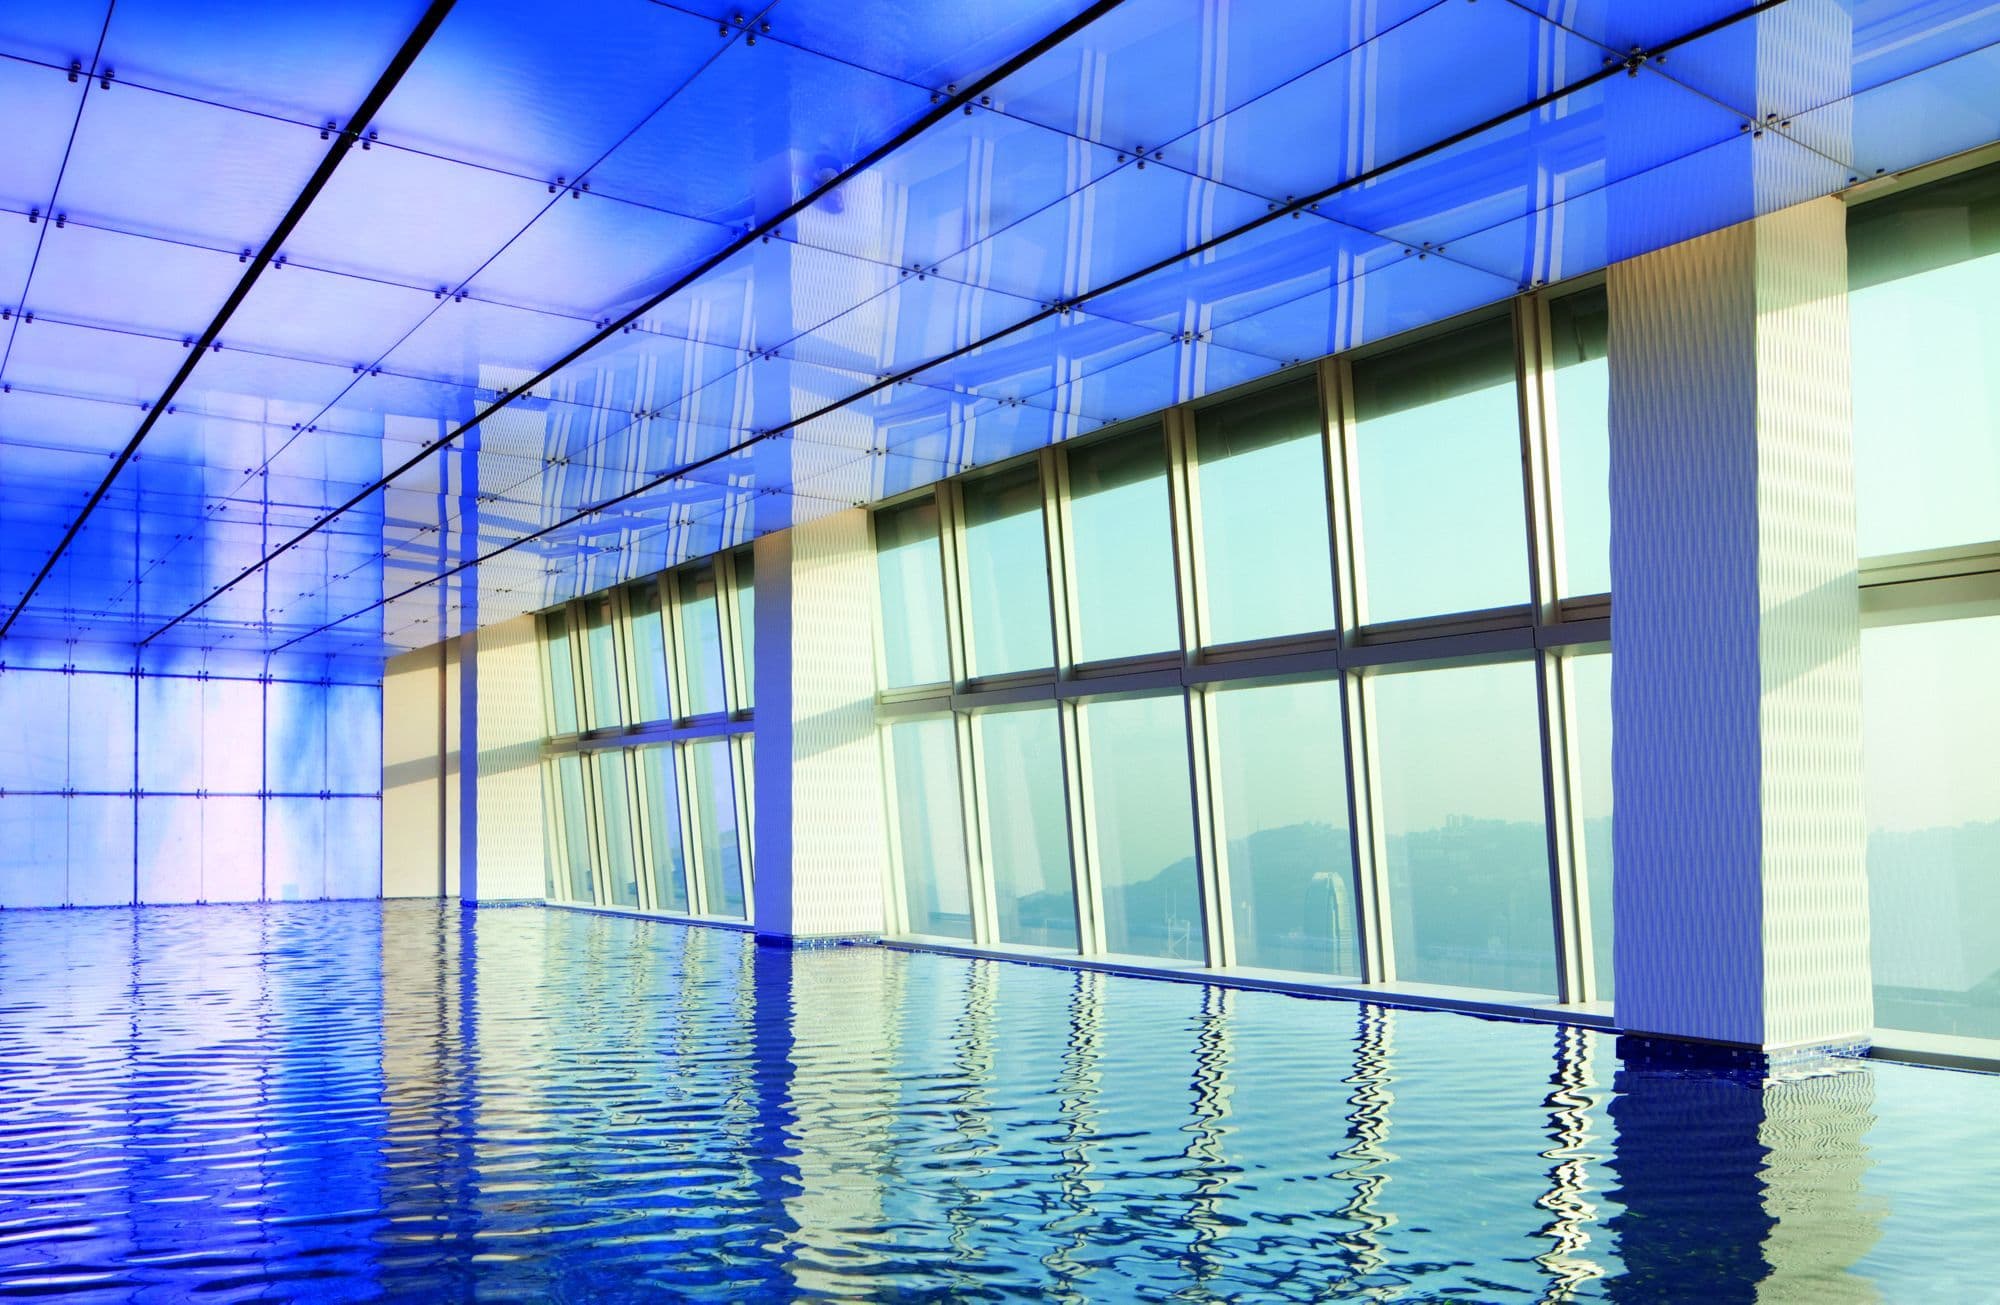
[755, 132]
[307, 63]
[411, 218]
[1151, 71]
[61, 358]
[915, 41]
[1679, 199]
[961, 181]
[32, 419]
[97, 277]
[341, 321]
[1382, 302]
[1059, 251]
[1615, 128]
[39, 107]
[543, 90]
[159, 165]
[1386, 100]
[53, 31]
[1952, 107]
[594, 257]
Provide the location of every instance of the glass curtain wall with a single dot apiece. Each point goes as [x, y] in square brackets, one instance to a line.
[648, 813]
[1924, 305]
[1265, 683]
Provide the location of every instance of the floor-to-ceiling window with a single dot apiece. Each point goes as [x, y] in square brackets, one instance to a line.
[1306, 680]
[1924, 303]
[648, 712]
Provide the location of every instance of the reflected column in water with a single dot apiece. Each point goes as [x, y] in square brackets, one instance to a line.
[1730, 1177]
[842, 1101]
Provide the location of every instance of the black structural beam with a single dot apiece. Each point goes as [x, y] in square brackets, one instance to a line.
[412, 46]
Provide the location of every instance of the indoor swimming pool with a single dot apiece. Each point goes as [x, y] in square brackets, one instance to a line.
[368, 1101]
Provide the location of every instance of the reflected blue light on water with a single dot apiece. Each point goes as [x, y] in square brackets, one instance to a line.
[362, 1101]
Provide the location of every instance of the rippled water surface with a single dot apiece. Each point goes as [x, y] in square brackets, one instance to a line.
[361, 1101]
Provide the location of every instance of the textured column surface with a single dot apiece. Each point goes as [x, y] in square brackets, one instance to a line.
[1740, 896]
[820, 841]
[501, 848]
[412, 770]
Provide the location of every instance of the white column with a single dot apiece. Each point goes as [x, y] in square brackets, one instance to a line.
[412, 772]
[1741, 895]
[819, 820]
[500, 748]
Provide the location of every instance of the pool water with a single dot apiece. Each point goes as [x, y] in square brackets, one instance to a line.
[366, 1101]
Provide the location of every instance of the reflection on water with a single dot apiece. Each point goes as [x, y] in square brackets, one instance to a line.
[357, 1101]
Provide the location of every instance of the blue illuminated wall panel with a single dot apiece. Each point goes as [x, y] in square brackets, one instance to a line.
[186, 776]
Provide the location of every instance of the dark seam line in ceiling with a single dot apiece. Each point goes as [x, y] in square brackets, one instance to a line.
[947, 105]
[443, 297]
[456, 293]
[342, 141]
[1631, 65]
[55, 192]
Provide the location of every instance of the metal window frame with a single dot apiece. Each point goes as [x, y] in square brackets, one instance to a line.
[677, 734]
[1546, 631]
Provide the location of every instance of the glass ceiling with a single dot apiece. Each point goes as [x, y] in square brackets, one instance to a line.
[498, 301]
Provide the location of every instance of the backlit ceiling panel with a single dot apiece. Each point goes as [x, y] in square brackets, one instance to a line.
[347, 328]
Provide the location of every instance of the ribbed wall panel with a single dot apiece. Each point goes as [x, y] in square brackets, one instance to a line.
[411, 771]
[509, 782]
[1685, 676]
[1815, 832]
[1740, 898]
[820, 834]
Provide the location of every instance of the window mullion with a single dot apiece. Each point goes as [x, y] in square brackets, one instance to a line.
[644, 855]
[739, 791]
[897, 912]
[1366, 843]
[693, 862]
[1535, 389]
[1082, 829]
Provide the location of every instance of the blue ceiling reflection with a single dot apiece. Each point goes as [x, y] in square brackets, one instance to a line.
[347, 329]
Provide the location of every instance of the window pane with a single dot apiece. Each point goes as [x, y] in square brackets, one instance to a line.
[1284, 827]
[1931, 705]
[746, 625]
[715, 815]
[1263, 515]
[1123, 537]
[663, 819]
[1580, 326]
[1462, 810]
[1590, 681]
[562, 671]
[621, 867]
[911, 573]
[1143, 826]
[576, 829]
[1007, 580]
[1028, 826]
[701, 642]
[601, 644]
[1924, 305]
[1440, 476]
[930, 834]
[649, 653]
